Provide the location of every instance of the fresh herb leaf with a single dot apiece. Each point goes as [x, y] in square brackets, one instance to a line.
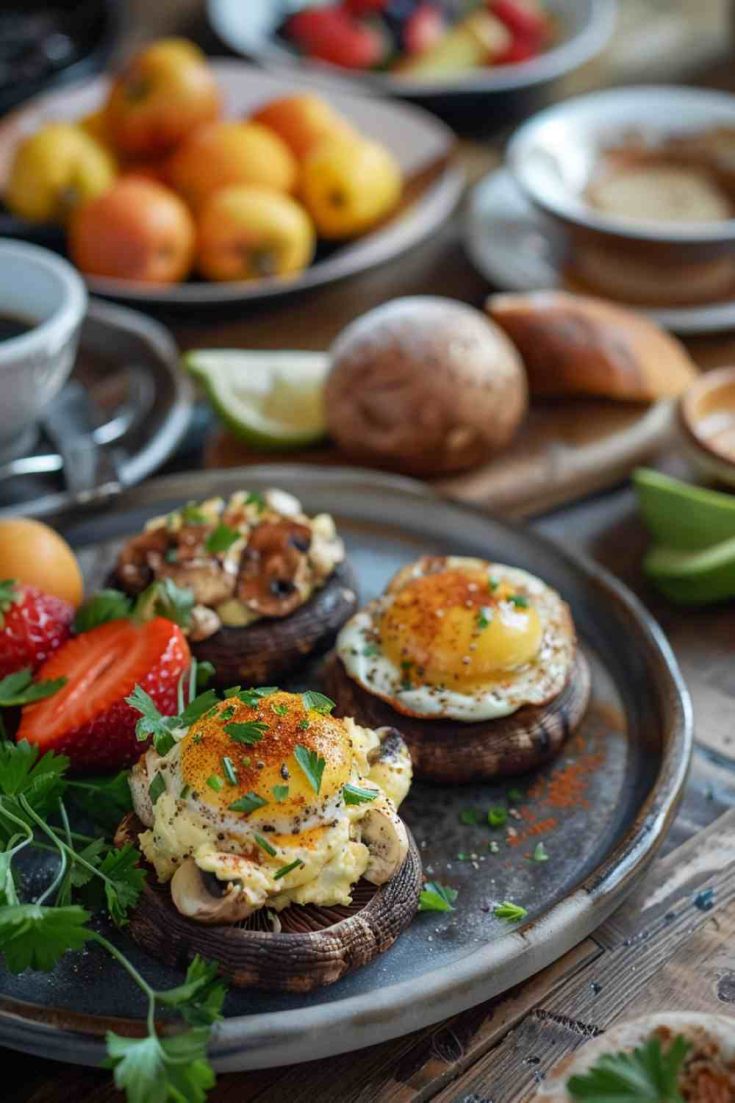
[152, 723]
[510, 911]
[497, 817]
[156, 788]
[119, 882]
[197, 707]
[469, 816]
[311, 763]
[287, 869]
[228, 768]
[515, 794]
[304, 724]
[105, 800]
[265, 845]
[317, 701]
[191, 514]
[252, 697]
[437, 898]
[215, 783]
[248, 803]
[484, 616]
[200, 997]
[354, 794]
[204, 674]
[221, 539]
[184, 792]
[102, 607]
[36, 937]
[27, 775]
[19, 689]
[492, 584]
[250, 732]
[540, 854]
[647, 1074]
[155, 1070]
[280, 793]
[255, 498]
[519, 600]
[163, 598]
[280, 710]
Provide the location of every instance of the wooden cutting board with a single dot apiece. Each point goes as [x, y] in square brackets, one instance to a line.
[563, 451]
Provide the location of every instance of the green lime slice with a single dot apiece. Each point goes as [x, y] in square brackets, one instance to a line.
[272, 400]
[693, 577]
[683, 516]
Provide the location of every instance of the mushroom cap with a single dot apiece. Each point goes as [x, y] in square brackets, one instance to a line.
[424, 385]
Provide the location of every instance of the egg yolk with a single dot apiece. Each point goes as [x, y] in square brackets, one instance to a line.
[459, 629]
[237, 749]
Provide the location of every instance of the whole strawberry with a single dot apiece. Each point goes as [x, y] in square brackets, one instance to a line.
[32, 626]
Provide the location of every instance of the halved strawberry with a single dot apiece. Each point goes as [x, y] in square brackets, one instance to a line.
[331, 34]
[32, 626]
[526, 20]
[89, 719]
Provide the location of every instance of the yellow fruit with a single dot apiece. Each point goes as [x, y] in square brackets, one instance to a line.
[226, 153]
[348, 185]
[247, 232]
[95, 124]
[56, 169]
[33, 553]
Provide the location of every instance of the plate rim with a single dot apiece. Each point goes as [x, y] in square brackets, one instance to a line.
[337, 1026]
[685, 320]
[423, 215]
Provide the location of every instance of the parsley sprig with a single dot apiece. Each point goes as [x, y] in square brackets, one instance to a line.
[19, 689]
[648, 1074]
[437, 898]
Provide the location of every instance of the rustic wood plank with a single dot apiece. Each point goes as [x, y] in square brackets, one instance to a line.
[666, 947]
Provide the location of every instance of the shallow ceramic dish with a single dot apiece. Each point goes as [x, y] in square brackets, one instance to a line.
[518, 248]
[707, 424]
[422, 145]
[629, 757]
[480, 97]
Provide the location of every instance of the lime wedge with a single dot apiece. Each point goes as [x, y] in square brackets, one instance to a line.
[266, 399]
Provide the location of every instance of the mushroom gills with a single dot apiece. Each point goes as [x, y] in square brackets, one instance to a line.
[201, 895]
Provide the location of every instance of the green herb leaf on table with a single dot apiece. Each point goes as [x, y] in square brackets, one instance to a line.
[221, 539]
[497, 817]
[510, 911]
[119, 882]
[104, 606]
[648, 1074]
[312, 765]
[437, 898]
[36, 937]
[540, 853]
[201, 996]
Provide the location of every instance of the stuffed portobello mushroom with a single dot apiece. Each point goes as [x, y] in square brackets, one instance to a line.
[273, 843]
[270, 584]
[475, 662]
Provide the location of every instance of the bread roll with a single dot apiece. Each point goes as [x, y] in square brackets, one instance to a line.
[571, 344]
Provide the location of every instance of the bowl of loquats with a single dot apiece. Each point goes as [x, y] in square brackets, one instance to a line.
[180, 180]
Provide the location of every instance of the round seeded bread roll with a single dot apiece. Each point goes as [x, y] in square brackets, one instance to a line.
[424, 385]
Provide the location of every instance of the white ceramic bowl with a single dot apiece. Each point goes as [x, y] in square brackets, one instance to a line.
[44, 290]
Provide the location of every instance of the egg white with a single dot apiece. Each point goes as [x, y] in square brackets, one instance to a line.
[533, 683]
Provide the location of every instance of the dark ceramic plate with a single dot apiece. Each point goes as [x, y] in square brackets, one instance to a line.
[601, 810]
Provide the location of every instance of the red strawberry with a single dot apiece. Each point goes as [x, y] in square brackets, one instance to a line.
[32, 626]
[525, 20]
[520, 49]
[331, 34]
[89, 719]
[423, 29]
[364, 7]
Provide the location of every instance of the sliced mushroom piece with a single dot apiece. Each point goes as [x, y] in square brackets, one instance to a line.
[384, 834]
[455, 751]
[271, 567]
[315, 945]
[390, 764]
[271, 648]
[207, 899]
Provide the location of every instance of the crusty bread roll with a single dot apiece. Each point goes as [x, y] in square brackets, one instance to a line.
[572, 344]
[708, 1073]
[424, 385]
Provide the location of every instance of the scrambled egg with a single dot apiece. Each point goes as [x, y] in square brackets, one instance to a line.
[268, 800]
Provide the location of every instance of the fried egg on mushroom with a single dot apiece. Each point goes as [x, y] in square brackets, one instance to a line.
[267, 799]
[461, 638]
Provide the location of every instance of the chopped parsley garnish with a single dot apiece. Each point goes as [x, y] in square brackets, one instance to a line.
[519, 600]
[227, 713]
[510, 911]
[228, 768]
[252, 697]
[437, 898]
[104, 606]
[515, 794]
[492, 585]
[540, 854]
[196, 708]
[250, 732]
[304, 723]
[280, 710]
[287, 869]
[484, 616]
[497, 817]
[265, 845]
[317, 701]
[221, 539]
[185, 790]
[647, 1074]
[462, 857]
[248, 803]
[156, 788]
[354, 794]
[280, 793]
[311, 763]
[216, 783]
[469, 816]
[191, 514]
[255, 498]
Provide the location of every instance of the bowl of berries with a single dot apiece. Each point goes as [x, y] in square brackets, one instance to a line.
[477, 63]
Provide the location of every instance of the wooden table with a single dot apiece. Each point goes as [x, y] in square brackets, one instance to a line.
[666, 947]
